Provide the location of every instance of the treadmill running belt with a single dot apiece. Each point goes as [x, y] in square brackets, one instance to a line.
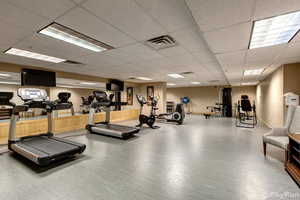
[47, 145]
[115, 130]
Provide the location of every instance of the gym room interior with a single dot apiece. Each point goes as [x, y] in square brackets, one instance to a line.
[149, 99]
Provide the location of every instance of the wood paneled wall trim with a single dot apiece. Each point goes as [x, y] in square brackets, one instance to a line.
[62, 124]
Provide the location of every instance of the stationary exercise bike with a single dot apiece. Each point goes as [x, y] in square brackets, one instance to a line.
[144, 119]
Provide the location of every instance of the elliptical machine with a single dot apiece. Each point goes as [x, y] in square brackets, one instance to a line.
[144, 119]
[177, 116]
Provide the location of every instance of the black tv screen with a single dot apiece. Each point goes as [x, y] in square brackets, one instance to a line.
[115, 85]
[38, 78]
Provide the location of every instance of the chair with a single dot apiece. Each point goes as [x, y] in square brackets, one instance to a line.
[279, 136]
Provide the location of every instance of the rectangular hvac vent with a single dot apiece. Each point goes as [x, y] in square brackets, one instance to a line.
[161, 42]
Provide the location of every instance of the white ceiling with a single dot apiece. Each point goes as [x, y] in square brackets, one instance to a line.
[226, 26]
[213, 37]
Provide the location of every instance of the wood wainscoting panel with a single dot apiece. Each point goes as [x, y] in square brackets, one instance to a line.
[62, 124]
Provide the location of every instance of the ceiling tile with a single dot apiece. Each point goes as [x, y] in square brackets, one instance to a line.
[12, 34]
[184, 60]
[173, 51]
[190, 39]
[263, 57]
[127, 16]
[215, 14]
[233, 38]
[232, 62]
[270, 8]
[204, 55]
[92, 26]
[10, 14]
[139, 51]
[50, 9]
[292, 50]
[172, 14]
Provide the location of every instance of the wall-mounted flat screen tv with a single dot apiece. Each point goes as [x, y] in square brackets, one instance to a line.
[31, 77]
[115, 85]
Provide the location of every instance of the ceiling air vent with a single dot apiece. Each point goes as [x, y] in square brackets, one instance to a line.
[213, 81]
[72, 62]
[161, 42]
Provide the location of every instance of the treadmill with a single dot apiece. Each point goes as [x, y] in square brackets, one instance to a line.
[42, 149]
[106, 128]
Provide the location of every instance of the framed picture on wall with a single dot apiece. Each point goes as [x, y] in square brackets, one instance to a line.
[130, 96]
[150, 93]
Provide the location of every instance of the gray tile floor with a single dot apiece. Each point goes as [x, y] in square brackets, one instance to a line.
[202, 159]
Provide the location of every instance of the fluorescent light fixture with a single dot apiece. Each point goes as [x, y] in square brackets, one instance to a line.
[253, 72]
[5, 75]
[87, 83]
[195, 83]
[175, 75]
[66, 34]
[9, 83]
[250, 83]
[144, 78]
[171, 84]
[29, 54]
[275, 30]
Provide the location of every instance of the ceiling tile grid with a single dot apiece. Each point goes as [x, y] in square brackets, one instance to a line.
[212, 36]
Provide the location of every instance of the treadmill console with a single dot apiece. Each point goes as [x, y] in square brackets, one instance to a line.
[100, 96]
[33, 94]
[63, 97]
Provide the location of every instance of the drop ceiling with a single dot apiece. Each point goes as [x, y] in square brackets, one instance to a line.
[212, 37]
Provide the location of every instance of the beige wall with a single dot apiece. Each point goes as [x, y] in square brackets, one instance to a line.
[159, 91]
[243, 90]
[76, 95]
[270, 108]
[292, 78]
[201, 97]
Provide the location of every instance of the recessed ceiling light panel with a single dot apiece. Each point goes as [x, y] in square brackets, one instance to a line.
[195, 83]
[253, 72]
[66, 34]
[144, 78]
[87, 83]
[275, 30]
[250, 83]
[33, 55]
[175, 75]
[171, 84]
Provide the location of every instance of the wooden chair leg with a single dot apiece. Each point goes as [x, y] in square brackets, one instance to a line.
[265, 148]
